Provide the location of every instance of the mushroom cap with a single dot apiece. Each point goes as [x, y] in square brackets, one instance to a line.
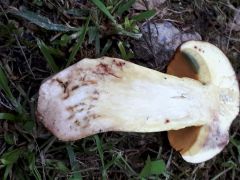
[211, 67]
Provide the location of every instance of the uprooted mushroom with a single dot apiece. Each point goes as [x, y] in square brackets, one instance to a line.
[195, 102]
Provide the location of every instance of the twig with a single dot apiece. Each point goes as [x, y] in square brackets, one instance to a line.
[221, 173]
[231, 29]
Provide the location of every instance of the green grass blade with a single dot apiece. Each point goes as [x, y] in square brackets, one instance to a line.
[144, 15]
[99, 148]
[11, 157]
[46, 53]
[55, 52]
[104, 9]
[92, 33]
[106, 47]
[97, 44]
[122, 51]
[7, 171]
[41, 21]
[114, 160]
[115, 6]
[100, 152]
[146, 171]
[156, 167]
[32, 165]
[121, 31]
[78, 12]
[128, 167]
[6, 89]
[78, 44]
[236, 143]
[124, 7]
[74, 163]
[4, 84]
[8, 116]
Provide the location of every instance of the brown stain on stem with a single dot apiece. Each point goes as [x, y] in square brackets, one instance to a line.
[104, 69]
[182, 139]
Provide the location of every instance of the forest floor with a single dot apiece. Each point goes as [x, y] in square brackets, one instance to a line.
[40, 37]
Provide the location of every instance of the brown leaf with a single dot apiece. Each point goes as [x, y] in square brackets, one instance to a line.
[235, 24]
[159, 42]
[152, 4]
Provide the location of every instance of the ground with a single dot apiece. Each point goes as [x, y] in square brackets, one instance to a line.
[40, 37]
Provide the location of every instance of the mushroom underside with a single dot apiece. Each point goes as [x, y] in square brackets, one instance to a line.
[182, 66]
[200, 143]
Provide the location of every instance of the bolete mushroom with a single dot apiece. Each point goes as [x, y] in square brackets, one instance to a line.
[206, 63]
[110, 94]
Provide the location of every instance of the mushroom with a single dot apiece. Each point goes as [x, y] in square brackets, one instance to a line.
[195, 102]
[206, 63]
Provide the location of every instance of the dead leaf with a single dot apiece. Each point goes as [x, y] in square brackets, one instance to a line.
[152, 4]
[235, 24]
[159, 43]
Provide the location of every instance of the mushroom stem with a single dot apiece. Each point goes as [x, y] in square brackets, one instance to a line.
[98, 95]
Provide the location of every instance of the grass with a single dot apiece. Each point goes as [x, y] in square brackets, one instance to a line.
[46, 36]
